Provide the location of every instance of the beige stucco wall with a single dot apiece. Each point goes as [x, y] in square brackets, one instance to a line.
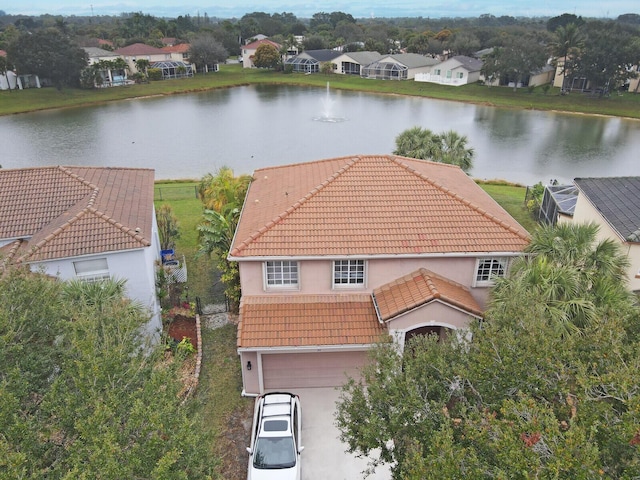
[315, 276]
[434, 313]
[586, 212]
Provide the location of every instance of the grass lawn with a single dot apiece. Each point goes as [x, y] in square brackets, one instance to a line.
[623, 105]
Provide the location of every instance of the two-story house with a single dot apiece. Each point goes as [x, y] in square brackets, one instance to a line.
[336, 255]
[84, 223]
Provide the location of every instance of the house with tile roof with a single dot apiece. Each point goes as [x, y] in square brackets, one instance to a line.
[310, 61]
[336, 255]
[614, 204]
[249, 50]
[132, 53]
[85, 223]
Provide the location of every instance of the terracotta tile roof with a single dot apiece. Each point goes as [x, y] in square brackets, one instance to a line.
[371, 205]
[139, 49]
[180, 48]
[59, 212]
[308, 320]
[257, 43]
[419, 288]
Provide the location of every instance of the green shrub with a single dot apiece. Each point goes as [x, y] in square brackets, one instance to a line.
[154, 74]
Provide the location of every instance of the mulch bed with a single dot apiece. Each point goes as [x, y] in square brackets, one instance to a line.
[182, 327]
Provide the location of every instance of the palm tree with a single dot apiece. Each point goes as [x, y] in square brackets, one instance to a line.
[566, 45]
[454, 151]
[449, 147]
[222, 195]
[417, 143]
[567, 273]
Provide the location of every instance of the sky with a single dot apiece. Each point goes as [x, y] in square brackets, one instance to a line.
[305, 9]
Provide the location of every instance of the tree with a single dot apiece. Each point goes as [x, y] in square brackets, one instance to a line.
[81, 397]
[516, 60]
[266, 56]
[608, 55]
[142, 65]
[4, 67]
[563, 20]
[448, 147]
[206, 50]
[222, 196]
[49, 54]
[519, 400]
[566, 45]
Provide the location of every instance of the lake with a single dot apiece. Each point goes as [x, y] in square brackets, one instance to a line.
[189, 135]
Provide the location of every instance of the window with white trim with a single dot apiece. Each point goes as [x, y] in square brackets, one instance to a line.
[93, 270]
[460, 75]
[490, 268]
[348, 273]
[281, 274]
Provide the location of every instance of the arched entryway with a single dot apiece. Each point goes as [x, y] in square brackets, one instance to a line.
[438, 330]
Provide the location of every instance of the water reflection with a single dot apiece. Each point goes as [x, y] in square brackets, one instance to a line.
[186, 136]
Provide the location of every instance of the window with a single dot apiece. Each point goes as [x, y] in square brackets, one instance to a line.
[92, 270]
[436, 71]
[348, 273]
[489, 269]
[448, 73]
[460, 74]
[282, 273]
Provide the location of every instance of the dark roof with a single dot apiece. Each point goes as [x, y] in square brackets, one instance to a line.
[470, 64]
[618, 201]
[323, 55]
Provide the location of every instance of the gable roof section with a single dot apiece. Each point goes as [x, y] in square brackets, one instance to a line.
[419, 288]
[324, 55]
[95, 52]
[363, 58]
[308, 320]
[618, 201]
[370, 206]
[412, 60]
[468, 63]
[60, 212]
[179, 48]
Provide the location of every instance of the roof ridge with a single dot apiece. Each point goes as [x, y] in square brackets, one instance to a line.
[58, 231]
[132, 232]
[350, 161]
[461, 199]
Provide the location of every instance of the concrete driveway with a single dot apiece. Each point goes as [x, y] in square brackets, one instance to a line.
[325, 456]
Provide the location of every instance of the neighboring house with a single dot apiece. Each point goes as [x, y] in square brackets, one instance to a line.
[614, 204]
[403, 66]
[110, 77]
[456, 71]
[351, 63]
[634, 83]
[138, 51]
[568, 83]
[180, 53]
[336, 255]
[83, 223]
[249, 50]
[310, 61]
[10, 80]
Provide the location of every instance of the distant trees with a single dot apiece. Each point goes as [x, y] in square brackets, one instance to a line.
[516, 60]
[448, 147]
[205, 50]
[49, 54]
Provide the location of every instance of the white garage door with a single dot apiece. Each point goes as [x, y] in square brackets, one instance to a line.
[301, 370]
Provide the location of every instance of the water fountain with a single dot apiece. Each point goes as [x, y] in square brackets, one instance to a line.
[328, 114]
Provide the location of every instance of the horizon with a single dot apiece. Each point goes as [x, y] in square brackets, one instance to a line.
[357, 8]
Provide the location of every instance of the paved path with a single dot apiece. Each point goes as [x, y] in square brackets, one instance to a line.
[324, 456]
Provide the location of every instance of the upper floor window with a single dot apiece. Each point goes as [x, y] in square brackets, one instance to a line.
[489, 269]
[348, 273]
[92, 270]
[281, 273]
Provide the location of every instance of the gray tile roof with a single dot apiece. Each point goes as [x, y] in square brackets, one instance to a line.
[470, 64]
[364, 58]
[618, 201]
[323, 55]
[414, 60]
